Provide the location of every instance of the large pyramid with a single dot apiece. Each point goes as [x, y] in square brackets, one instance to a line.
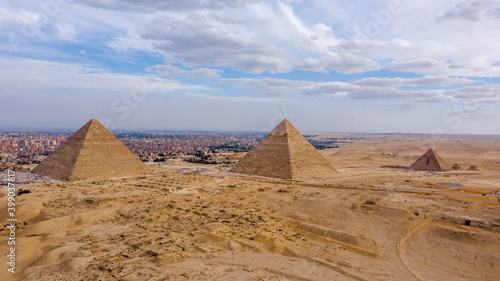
[92, 152]
[430, 161]
[284, 153]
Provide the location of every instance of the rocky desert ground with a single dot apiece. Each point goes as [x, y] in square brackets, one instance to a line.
[366, 221]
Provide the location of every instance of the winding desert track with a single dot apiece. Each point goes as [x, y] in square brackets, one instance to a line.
[404, 190]
[194, 186]
[361, 176]
[398, 189]
[291, 276]
[402, 241]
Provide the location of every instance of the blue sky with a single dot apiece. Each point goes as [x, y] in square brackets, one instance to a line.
[343, 66]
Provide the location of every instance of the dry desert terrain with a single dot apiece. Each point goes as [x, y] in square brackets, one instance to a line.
[362, 222]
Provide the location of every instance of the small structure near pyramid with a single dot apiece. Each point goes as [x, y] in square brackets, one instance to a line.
[430, 161]
[473, 168]
[92, 152]
[284, 153]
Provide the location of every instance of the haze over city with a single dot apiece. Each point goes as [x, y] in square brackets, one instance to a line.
[338, 66]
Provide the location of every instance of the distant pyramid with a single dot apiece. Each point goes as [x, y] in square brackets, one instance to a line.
[92, 152]
[473, 168]
[430, 161]
[284, 153]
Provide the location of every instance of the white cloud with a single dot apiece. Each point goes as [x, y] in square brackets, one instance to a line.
[167, 70]
[195, 42]
[460, 65]
[376, 88]
[151, 6]
[173, 71]
[204, 73]
[316, 37]
[269, 86]
[483, 93]
[474, 10]
[21, 16]
[426, 37]
[310, 64]
[438, 81]
[340, 63]
[258, 36]
[413, 65]
[421, 81]
[33, 77]
[350, 64]
[66, 32]
[239, 99]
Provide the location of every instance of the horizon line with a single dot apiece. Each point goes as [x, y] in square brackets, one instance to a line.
[46, 130]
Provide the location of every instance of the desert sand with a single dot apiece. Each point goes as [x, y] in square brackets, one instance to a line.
[360, 222]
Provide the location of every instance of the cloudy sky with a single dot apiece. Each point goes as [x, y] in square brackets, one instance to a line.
[327, 65]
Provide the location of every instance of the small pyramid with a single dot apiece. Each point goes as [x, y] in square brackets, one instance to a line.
[284, 153]
[92, 152]
[430, 161]
[473, 168]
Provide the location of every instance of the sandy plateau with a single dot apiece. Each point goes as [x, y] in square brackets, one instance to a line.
[362, 222]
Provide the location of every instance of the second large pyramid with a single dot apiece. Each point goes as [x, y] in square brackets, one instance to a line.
[284, 153]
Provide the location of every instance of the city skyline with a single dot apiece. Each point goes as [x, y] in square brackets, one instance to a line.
[327, 66]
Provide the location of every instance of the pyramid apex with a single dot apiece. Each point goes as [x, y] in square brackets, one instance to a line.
[431, 151]
[94, 124]
[283, 128]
